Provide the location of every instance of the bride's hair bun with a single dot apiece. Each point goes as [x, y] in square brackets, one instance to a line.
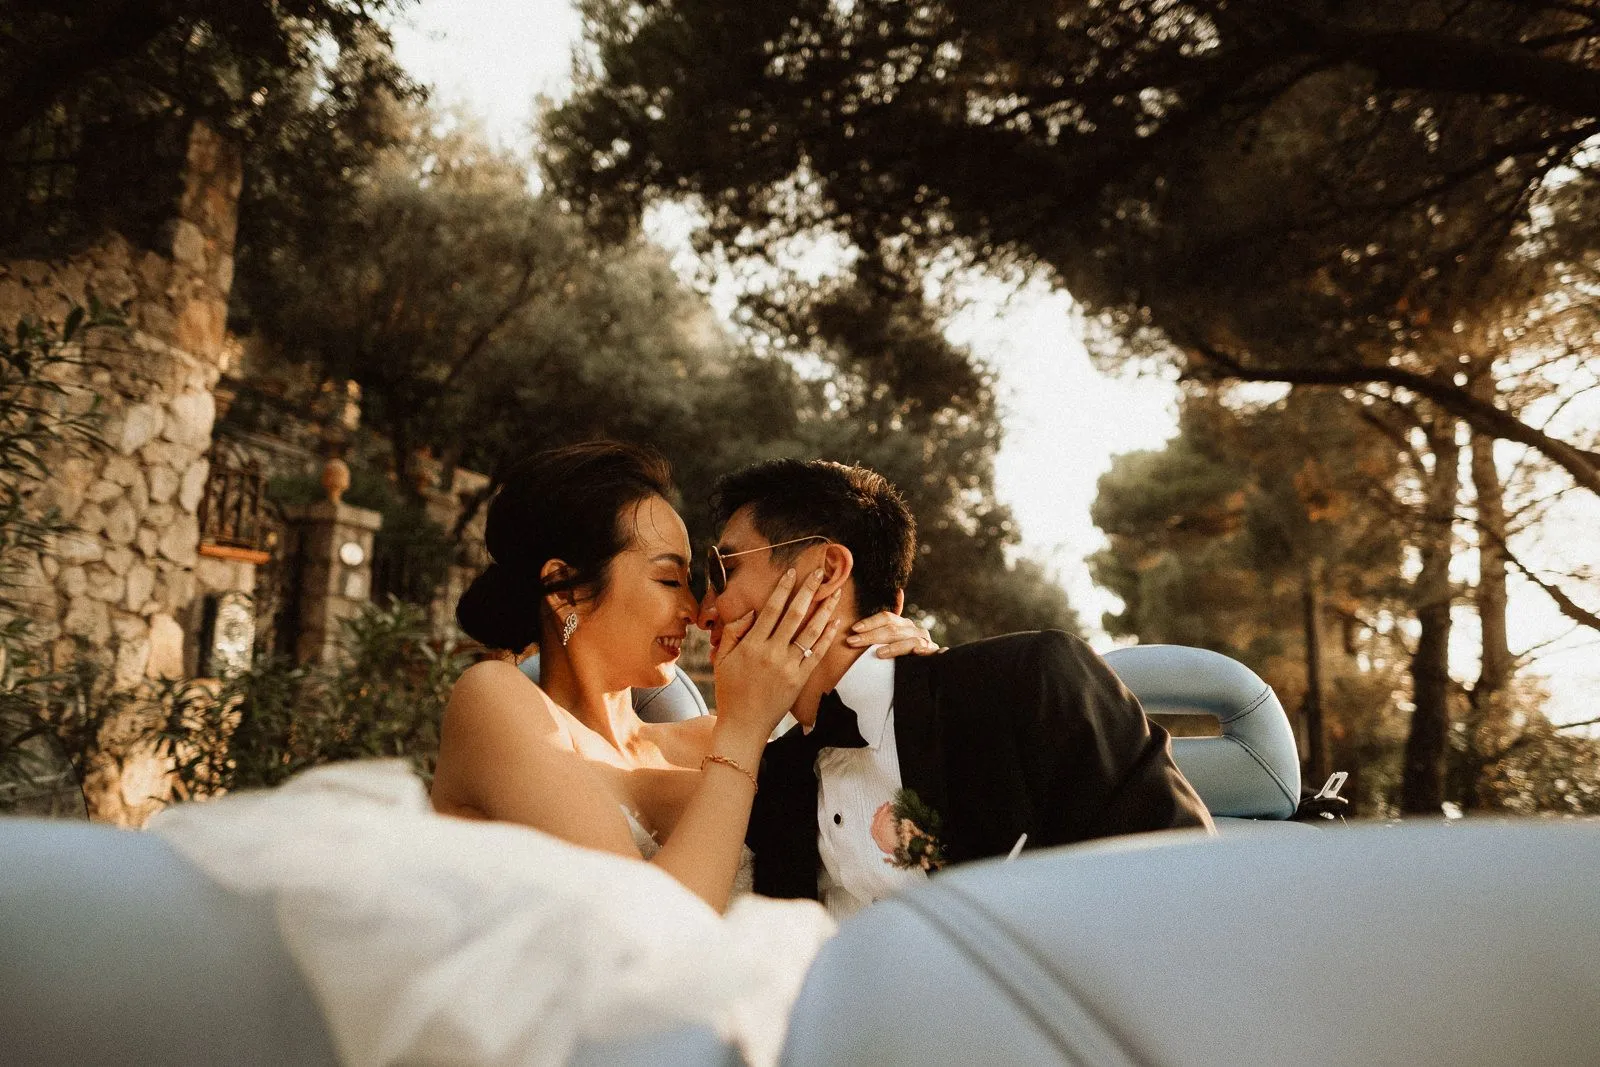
[565, 504]
[500, 609]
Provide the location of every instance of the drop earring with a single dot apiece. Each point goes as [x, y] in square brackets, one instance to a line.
[568, 628]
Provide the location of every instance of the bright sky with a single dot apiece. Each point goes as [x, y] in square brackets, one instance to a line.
[1063, 420]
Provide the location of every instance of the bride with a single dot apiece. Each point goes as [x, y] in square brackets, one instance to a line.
[592, 565]
[514, 918]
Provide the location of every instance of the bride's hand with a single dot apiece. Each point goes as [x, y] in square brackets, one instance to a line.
[762, 662]
[897, 635]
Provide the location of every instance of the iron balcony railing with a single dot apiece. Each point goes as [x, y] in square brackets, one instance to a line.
[235, 512]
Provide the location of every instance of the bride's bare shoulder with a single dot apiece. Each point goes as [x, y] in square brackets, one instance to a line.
[488, 678]
[493, 689]
[491, 672]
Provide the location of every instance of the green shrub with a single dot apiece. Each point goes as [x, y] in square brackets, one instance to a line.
[50, 720]
[275, 719]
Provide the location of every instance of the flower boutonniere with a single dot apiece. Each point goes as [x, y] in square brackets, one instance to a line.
[907, 830]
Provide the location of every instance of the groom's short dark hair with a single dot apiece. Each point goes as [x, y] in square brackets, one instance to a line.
[854, 506]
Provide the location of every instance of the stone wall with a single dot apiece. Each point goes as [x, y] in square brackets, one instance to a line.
[121, 585]
[445, 504]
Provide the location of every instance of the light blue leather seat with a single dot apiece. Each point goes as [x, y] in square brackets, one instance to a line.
[1416, 944]
[114, 949]
[1469, 943]
[1253, 770]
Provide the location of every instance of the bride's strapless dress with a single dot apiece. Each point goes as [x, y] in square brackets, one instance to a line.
[744, 879]
[432, 939]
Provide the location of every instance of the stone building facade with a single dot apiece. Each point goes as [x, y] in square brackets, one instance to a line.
[122, 584]
[152, 581]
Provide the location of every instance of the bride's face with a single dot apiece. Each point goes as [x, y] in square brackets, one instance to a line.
[635, 631]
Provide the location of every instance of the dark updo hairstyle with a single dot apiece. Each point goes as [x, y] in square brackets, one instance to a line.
[567, 504]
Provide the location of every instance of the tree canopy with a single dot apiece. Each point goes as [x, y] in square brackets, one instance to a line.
[482, 322]
[1276, 533]
[1291, 191]
[1392, 201]
[222, 59]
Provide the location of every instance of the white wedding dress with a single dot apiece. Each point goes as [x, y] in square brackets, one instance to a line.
[429, 939]
[744, 878]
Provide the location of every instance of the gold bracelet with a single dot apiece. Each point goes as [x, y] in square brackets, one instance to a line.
[726, 762]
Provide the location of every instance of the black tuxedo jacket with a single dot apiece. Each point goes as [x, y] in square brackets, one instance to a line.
[1027, 733]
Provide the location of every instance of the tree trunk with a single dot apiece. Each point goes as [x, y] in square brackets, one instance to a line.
[1422, 786]
[405, 459]
[1490, 715]
[1317, 764]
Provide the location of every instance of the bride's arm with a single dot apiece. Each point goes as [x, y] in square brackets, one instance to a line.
[760, 671]
[502, 753]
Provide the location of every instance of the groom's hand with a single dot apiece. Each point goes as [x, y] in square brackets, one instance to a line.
[894, 635]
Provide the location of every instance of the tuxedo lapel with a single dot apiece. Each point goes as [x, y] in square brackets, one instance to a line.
[918, 733]
[783, 820]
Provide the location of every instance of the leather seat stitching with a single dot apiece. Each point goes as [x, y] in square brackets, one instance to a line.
[1265, 766]
[1250, 708]
[960, 939]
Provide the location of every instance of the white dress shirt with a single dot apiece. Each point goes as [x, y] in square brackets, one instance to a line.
[852, 784]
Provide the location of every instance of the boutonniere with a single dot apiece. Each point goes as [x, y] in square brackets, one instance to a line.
[907, 830]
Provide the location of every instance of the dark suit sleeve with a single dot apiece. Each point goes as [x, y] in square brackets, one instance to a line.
[1098, 766]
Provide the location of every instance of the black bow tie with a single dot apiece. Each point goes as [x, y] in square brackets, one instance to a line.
[836, 725]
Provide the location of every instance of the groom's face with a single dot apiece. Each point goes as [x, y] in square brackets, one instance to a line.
[751, 574]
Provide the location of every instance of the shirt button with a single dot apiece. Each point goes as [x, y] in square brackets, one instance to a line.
[838, 820]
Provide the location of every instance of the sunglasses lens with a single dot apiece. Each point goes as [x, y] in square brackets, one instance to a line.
[716, 576]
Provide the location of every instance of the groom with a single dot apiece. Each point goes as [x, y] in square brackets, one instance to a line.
[1029, 733]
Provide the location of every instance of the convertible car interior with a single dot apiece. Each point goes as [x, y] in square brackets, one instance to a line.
[1250, 772]
[1276, 942]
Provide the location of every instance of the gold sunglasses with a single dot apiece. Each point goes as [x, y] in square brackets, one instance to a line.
[717, 574]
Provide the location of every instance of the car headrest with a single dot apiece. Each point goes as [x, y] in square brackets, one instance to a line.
[1253, 769]
[679, 699]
